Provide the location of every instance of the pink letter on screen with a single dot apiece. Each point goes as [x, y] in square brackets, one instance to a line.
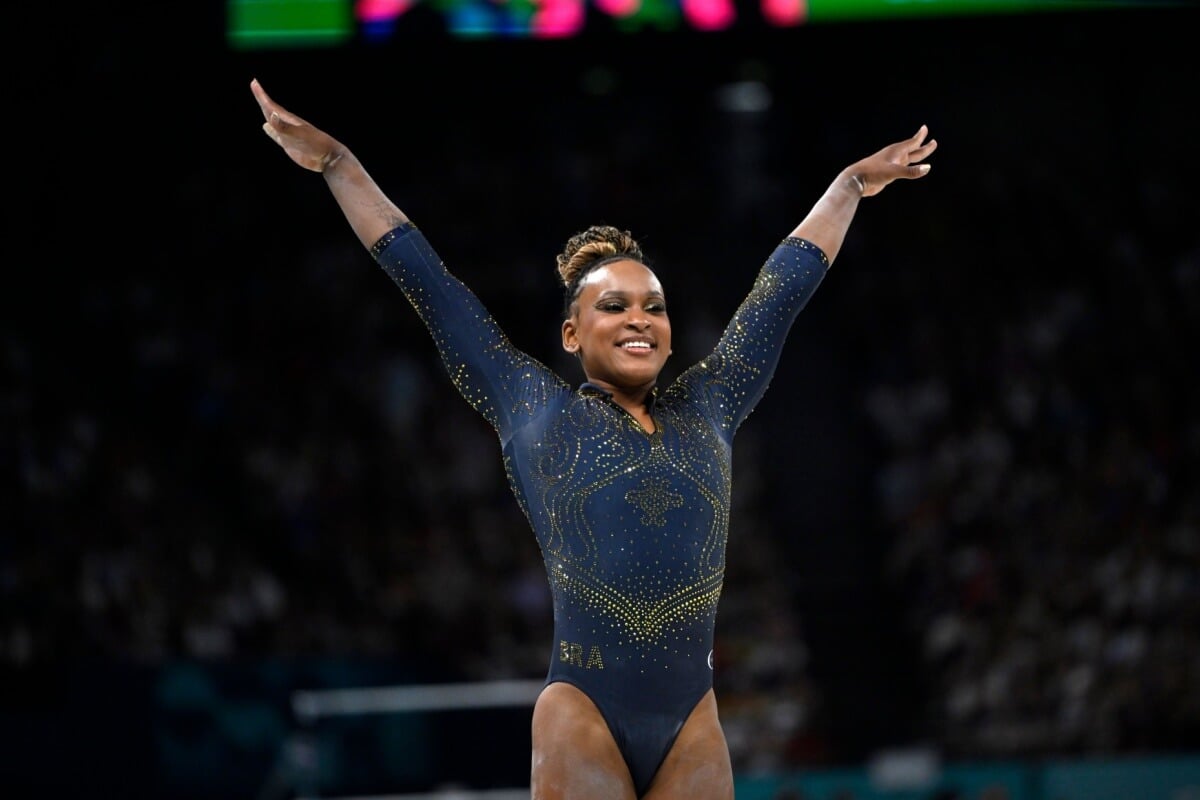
[709, 15]
[618, 8]
[557, 19]
[785, 13]
[381, 10]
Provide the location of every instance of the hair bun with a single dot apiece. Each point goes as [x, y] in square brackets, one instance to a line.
[592, 245]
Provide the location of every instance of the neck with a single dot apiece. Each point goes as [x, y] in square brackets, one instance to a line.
[631, 398]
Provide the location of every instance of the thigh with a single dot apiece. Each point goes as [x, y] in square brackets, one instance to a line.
[574, 755]
[697, 766]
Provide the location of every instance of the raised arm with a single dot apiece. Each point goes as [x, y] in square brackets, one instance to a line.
[499, 381]
[739, 370]
[829, 219]
[370, 213]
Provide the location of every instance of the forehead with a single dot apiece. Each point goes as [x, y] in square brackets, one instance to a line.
[626, 275]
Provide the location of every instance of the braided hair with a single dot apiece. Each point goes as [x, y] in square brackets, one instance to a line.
[589, 249]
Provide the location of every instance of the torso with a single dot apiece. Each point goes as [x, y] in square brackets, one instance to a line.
[631, 513]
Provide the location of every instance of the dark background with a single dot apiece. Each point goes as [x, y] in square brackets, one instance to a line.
[233, 467]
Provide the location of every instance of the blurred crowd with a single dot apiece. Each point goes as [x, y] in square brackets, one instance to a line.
[1040, 477]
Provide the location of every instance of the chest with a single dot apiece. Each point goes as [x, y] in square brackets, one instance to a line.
[593, 444]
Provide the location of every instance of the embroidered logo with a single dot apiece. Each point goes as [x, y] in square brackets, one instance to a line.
[655, 498]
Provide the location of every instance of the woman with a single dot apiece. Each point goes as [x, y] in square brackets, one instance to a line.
[626, 487]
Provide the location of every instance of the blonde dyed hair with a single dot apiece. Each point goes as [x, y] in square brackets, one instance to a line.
[588, 249]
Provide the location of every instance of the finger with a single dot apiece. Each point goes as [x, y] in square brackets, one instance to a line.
[264, 100]
[282, 118]
[280, 124]
[274, 134]
[272, 111]
[923, 152]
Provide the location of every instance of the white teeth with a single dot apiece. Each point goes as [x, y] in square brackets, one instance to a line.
[642, 345]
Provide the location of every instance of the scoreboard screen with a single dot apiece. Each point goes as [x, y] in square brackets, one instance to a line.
[266, 24]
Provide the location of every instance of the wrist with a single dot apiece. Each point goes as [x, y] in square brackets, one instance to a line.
[333, 159]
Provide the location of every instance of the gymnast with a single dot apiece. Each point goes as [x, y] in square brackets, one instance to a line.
[625, 484]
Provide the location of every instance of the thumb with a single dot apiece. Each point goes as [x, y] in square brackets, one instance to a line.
[271, 131]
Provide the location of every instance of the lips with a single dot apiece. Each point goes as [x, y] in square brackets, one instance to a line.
[637, 345]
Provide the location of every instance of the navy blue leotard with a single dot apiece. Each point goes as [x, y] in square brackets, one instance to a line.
[632, 525]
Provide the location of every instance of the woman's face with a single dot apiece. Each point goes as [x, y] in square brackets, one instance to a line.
[619, 326]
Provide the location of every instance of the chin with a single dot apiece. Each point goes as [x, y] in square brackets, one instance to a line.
[638, 379]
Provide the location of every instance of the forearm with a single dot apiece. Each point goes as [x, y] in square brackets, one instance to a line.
[829, 219]
[744, 360]
[368, 210]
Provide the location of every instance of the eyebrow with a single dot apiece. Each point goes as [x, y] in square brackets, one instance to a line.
[607, 293]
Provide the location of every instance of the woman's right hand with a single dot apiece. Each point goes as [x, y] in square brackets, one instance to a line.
[308, 146]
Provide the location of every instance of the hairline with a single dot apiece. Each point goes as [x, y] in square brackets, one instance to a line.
[573, 298]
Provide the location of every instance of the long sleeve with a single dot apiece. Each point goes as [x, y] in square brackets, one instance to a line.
[736, 374]
[499, 381]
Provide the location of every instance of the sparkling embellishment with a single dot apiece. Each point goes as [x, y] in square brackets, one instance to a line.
[655, 498]
[632, 526]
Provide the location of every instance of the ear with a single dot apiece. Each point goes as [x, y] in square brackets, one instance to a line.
[570, 338]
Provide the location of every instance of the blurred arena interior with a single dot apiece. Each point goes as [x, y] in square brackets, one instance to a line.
[238, 487]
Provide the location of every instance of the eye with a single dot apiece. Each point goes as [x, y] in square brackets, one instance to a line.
[613, 306]
[657, 308]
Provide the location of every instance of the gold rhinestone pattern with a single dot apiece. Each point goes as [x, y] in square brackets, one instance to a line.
[632, 525]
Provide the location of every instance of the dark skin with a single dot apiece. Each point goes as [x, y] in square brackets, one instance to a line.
[619, 327]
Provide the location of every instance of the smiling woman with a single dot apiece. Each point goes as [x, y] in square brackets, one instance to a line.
[616, 317]
[627, 489]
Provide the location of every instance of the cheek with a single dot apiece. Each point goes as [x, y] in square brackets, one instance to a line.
[602, 325]
[589, 330]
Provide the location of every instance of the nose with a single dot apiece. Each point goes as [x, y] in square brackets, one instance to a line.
[638, 321]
